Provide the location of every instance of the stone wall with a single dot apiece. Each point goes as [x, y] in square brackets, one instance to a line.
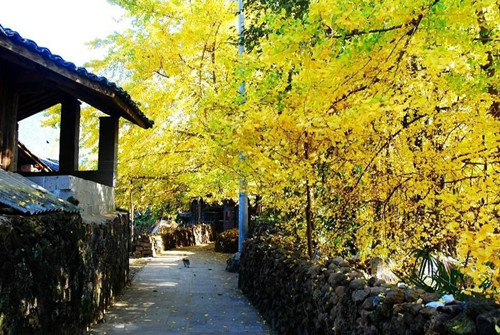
[58, 273]
[182, 236]
[143, 246]
[297, 296]
[227, 241]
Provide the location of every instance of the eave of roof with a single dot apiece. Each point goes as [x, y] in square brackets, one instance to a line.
[120, 97]
[34, 158]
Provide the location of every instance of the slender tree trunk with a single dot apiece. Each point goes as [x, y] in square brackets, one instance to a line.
[309, 224]
[484, 35]
[309, 227]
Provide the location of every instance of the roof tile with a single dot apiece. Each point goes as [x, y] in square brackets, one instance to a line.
[58, 60]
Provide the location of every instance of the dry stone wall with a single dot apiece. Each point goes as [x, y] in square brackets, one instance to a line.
[227, 241]
[57, 273]
[171, 238]
[143, 246]
[297, 296]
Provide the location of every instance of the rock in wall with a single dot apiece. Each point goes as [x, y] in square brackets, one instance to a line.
[297, 296]
[184, 236]
[143, 246]
[57, 273]
[227, 241]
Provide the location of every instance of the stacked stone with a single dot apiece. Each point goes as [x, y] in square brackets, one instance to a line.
[157, 244]
[143, 247]
[227, 241]
[58, 273]
[297, 296]
[185, 236]
[202, 233]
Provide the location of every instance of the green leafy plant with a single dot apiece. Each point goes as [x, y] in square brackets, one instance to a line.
[433, 275]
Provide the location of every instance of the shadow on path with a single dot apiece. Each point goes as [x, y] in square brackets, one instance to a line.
[167, 298]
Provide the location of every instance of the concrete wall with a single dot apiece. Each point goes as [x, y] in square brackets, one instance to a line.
[93, 198]
[58, 273]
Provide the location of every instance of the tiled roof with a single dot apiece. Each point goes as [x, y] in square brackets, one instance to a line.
[59, 61]
[52, 163]
[29, 198]
[32, 159]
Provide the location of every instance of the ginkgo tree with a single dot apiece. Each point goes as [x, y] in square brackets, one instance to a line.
[371, 126]
[386, 111]
[179, 61]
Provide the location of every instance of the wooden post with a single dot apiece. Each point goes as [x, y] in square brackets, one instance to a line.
[108, 149]
[8, 125]
[70, 135]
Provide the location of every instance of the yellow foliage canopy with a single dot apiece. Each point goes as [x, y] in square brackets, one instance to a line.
[388, 109]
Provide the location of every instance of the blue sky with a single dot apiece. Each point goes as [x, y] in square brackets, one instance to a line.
[65, 27]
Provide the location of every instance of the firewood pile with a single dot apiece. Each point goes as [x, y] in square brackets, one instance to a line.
[143, 246]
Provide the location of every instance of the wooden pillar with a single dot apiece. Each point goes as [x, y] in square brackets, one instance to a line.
[8, 125]
[70, 135]
[108, 149]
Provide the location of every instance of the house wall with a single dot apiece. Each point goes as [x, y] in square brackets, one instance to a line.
[93, 198]
[230, 215]
[58, 273]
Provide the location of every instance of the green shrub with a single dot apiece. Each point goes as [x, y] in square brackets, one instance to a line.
[433, 275]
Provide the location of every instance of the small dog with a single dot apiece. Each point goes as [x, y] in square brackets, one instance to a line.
[185, 260]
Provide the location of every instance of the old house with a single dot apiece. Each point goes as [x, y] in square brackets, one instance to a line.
[59, 268]
[29, 162]
[222, 216]
[33, 79]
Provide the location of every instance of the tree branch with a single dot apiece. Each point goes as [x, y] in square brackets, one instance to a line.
[386, 144]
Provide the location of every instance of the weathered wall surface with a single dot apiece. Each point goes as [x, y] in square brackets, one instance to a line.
[297, 296]
[143, 246]
[93, 198]
[170, 238]
[227, 241]
[58, 273]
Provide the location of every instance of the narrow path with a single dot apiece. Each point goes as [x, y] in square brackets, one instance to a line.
[167, 298]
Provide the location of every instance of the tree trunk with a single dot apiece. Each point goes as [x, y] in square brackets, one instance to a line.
[309, 227]
[309, 224]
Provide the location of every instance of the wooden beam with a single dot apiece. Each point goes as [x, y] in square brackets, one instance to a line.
[113, 106]
[108, 149]
[8, 124]
[70, 135]
[19, 55]
[30, 105]
[77, 85]
[34, 86]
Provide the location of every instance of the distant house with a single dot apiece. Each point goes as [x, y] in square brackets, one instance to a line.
[223, 216]
[29, 162]
[33, 79]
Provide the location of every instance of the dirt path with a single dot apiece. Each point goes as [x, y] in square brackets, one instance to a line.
[167, 298]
